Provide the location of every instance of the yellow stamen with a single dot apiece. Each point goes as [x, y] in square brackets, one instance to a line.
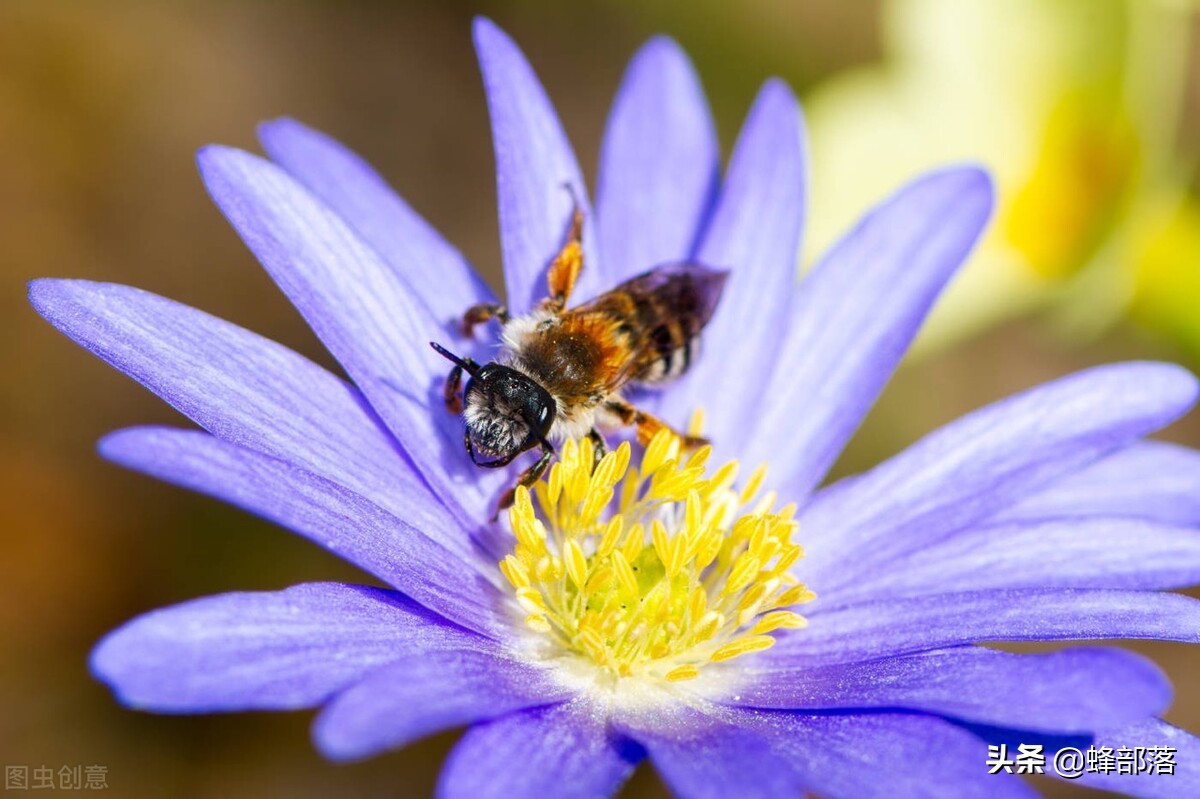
[777, 619]
[742, 646]
[515, 572]
[681, 673]
[678, 572]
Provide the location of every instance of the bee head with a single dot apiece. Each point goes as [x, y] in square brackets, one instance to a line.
[506, 412]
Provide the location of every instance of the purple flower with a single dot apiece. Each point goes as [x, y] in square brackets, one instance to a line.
[1046, 516]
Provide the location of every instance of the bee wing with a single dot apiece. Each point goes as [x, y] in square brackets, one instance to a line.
[686, 291]
[674, 302]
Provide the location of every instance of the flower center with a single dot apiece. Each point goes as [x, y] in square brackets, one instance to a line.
[681, 571]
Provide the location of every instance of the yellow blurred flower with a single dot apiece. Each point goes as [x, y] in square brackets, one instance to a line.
[1166, 293]
[1074, 105]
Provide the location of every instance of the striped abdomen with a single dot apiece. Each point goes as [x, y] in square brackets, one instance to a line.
[658, 317]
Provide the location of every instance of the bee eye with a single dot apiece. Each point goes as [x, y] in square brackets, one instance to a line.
[542, 414]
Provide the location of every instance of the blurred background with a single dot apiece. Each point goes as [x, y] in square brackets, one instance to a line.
[1087, 110]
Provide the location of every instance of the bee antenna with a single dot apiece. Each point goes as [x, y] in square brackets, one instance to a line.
[569, 188]
[466, 363]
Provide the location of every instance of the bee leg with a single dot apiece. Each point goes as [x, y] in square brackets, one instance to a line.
[648, 425]
[450, 391]
[599, 446]
[526, 478]
[566, 266]
[478, 314]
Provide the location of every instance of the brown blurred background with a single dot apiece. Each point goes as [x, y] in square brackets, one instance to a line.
[101, 109]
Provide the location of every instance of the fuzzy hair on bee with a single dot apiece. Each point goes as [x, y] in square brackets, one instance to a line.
[497, 427]
[560, 372]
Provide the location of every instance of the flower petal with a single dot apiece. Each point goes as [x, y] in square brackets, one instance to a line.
[238, 385]
[983, 462]
[885, 755]
[886, 628]
[702, 755]
[1089, 552]
[536, 173]
[854, 317]
[274, 650]
[755, 233]
[561, 751]
[336, 518]
[1075, 690]
[659, 164]
[742, 751]
[359, 308]
[1182, 778]
[423, 693]
[423, 260]
[1149, 480]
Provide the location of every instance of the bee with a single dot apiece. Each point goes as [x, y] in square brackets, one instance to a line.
[560, 372]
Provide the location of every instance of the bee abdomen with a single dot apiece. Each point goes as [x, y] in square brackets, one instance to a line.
[656, 319]
[672, 362]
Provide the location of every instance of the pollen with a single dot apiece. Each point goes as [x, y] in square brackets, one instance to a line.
[656, 570]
